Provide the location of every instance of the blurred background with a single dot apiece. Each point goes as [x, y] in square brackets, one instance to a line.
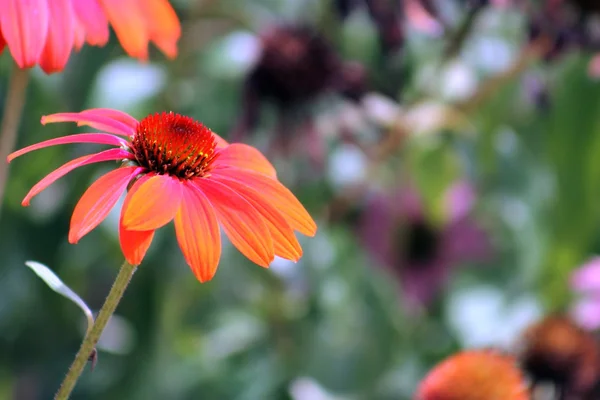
[449, 151]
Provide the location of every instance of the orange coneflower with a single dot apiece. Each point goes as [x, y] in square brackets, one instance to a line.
[44, 32]
[178, 169]
[474, 375]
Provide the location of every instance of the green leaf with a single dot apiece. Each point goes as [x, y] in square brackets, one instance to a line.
[572, 139]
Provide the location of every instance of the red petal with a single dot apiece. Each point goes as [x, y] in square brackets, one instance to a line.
[197, 232]
[129, 24]
[98, 200]
[241, 222]
[244, 157]
[98, 138]
[134, 244]
[91, 17]
[154, 204]
[61, 36]
[163, 25]
[95, 120]
[24, 27]
[2, 42]
[275, 193]
[107, 155]
[284, 242]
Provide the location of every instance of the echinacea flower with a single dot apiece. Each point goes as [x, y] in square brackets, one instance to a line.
[474, 375]
[556, 350]
[398, 234]
[585, 282]
[177, 169]
[45, 31]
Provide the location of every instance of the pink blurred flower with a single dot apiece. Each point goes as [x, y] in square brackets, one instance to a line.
[397, 233]
[44, 32]
[594, 67]
[585, 282]
[418, 17]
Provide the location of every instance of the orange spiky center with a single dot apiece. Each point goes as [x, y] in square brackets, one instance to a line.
[173, 144]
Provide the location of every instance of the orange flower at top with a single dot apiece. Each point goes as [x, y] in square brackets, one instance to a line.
[474, 375]
[178, 169]
[45, 31]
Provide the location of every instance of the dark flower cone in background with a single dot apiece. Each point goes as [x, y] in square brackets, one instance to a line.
[474, 375]
[297, 65]
[557, 351]
[587, 5]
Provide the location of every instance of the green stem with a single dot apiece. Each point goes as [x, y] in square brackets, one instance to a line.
[91, 338]
[13, 108]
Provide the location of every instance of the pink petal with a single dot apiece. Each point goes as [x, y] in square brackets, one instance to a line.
[98, 200]
[241, 222]
[61, 36]
[197, 231]
[134, 244]
[24, 26]
[93, 119]
[586, 312]
[91, 17]
[107, 155]
[113, 114]
[459, 200]
[98, 138]
[242, 156]
[154, 204]
[586, 279]
[285, 243]
[279, 196]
